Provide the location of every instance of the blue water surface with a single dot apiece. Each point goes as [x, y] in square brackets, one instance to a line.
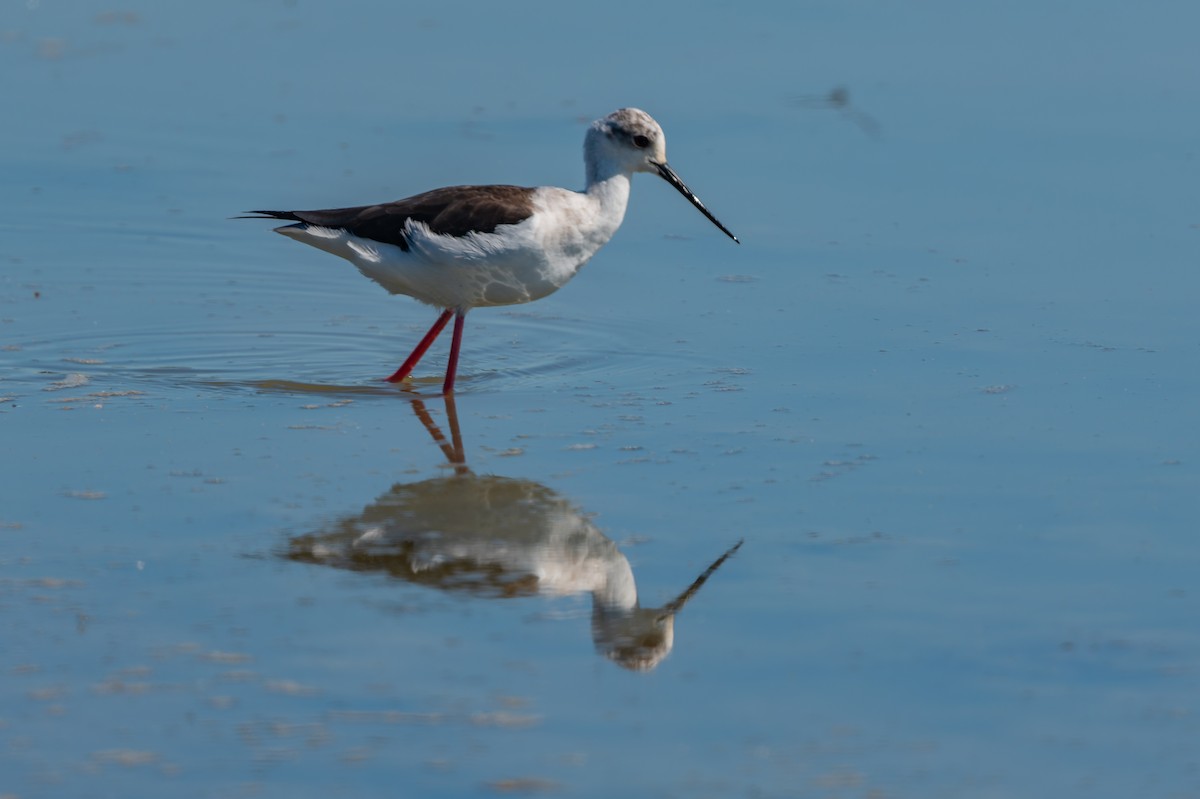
[943, 391]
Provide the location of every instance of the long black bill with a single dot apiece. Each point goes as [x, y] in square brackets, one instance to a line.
[676, 604]
[668, 174]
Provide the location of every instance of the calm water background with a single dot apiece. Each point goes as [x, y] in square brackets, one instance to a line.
[945, 391]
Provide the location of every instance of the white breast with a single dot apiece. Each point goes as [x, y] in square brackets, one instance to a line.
[514, 264]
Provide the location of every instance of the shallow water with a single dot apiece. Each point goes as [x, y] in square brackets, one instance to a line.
[943, 392]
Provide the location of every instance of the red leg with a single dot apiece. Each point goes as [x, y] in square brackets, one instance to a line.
[456, 343]
[415, 355]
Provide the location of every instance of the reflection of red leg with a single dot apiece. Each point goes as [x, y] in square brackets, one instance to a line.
[455, 344]
[452, 449]
[411, 361]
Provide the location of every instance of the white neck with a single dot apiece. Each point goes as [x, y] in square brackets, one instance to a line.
[611, 194]
[607, 180]
[599, 163]
[617, 592]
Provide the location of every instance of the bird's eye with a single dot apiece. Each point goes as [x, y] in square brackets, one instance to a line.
[641, 142]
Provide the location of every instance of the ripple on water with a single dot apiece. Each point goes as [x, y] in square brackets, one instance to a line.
[502, 351]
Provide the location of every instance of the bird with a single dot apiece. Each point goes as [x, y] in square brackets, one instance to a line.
[463, 247]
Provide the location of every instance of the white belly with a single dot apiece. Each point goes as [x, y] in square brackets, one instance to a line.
[515, 264]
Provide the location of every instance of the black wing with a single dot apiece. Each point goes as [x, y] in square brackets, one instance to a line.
[452, 211]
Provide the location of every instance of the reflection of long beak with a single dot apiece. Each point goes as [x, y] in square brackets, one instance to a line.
[676, 604]
[668, 174]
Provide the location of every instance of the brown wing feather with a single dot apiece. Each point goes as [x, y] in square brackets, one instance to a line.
[451, 211]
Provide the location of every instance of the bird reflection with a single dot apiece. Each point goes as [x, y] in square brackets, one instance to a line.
[500, 537]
